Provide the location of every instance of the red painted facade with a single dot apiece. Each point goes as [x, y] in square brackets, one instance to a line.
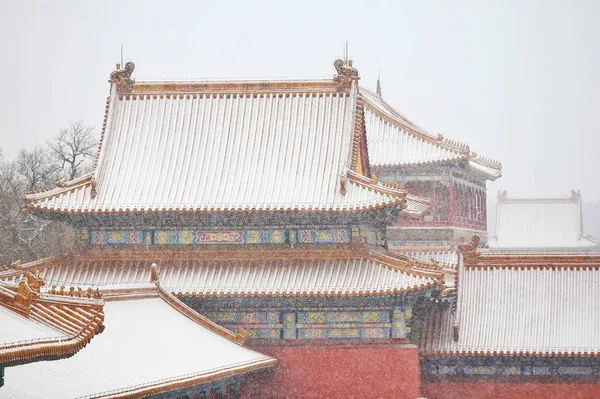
[530, 389]
[338, 371]
[453, 204]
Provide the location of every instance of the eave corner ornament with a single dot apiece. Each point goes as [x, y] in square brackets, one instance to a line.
[93, 188]
[154, 273]
[455, 331]
[34, 282]
[346, 74]
[343, 182]
[469, 250]
[121, 78]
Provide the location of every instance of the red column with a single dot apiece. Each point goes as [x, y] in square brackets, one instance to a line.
[433, 196]
[471, 202]
[460, 204]
[484, 209]
[451, 204]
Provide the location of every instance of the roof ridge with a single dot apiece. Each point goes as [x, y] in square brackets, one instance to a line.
[409, 265]
[360, 154]
[420, 133]
[455, 146]
[103, 131]
[575, 197]
[239, 338]
[487, 161]
[572, 261]
[388, 106]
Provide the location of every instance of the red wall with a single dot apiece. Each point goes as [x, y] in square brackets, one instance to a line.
[341, 371]
[510, 390]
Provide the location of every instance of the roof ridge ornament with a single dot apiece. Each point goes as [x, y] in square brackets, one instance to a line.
[469, 250]
[121, 78]
[502, 195]
[346, 74]
[34, 282]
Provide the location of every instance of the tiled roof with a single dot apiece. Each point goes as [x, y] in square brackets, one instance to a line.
[16, 327]
[227, 147]
[41, 326]
[247, 274]
[521, 306]
[546, 224]
[395, 141]
[447, 260]
[148, 348]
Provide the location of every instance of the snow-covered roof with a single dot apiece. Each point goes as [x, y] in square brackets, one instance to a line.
[18, 328]
[39, 326]
[544, 224]
[148, 347]
[393, 140]
[327, 273]
[233, 146]
[446, 259]
[521, 305]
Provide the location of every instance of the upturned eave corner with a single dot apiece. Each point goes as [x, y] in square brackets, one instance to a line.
[238, 338]
[24, 297]
[409, 265]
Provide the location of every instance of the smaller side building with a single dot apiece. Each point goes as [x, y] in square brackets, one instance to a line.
[526, 315]
[446, 171]
[540, 225]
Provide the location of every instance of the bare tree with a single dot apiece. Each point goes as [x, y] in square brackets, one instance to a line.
[37, 168]
[27, 236]
[73, 147]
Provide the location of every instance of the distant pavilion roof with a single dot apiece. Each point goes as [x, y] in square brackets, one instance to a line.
[393, 140]
[229, 273]
[540, 224]
[521, 305]
[150, 346]
[233, 146]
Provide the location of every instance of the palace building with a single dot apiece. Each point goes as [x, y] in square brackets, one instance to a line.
[289, 238]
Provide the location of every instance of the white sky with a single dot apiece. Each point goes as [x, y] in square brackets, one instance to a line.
[517, 80]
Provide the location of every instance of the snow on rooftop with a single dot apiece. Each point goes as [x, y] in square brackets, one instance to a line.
[547, 223]
[539, 311]
[16, 328]
[145, 341]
